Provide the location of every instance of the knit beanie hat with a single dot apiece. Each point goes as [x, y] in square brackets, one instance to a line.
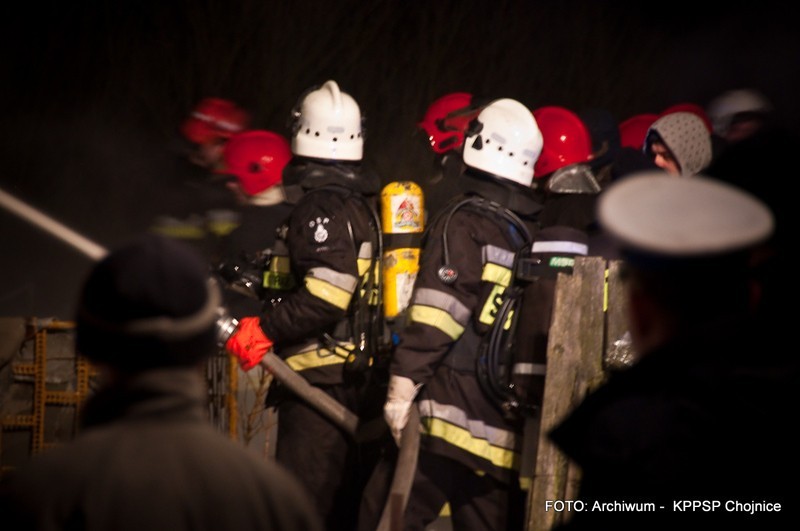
[148, 304]
[687, 137]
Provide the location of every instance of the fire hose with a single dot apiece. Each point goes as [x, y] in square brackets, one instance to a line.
[404, 470]
[314, 396]
[50, 225]
[324, 403]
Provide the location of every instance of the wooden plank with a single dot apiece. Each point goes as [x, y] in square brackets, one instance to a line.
[574, 364]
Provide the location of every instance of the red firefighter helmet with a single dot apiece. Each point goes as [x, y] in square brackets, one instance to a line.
[446, 120]
[692, 108]
[214, 119]
[633, 130]
[257, 158]
[566, 139]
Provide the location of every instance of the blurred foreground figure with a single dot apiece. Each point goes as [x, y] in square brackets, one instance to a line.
[706, 413]
[146, 456]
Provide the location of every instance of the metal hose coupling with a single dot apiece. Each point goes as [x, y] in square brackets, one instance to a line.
[225, 325]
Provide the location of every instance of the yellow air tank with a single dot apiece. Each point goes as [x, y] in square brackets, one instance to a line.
[402, 223]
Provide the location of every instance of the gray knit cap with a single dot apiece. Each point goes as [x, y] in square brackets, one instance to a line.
[688, 139]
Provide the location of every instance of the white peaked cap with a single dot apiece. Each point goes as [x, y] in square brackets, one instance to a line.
[656, 213]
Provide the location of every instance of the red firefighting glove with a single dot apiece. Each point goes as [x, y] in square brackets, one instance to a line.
[248, 343]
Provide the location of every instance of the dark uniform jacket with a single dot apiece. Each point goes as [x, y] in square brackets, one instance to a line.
[330, 240]
[705, 418]
[439, 347]
[147, 458]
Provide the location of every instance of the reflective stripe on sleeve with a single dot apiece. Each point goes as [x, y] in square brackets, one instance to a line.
[331, 286]
[535, 369]
[315, 356]
[451, 424]
[497, 264]
[279, 275]
[364, 258]
[556, 247]
[439, 310]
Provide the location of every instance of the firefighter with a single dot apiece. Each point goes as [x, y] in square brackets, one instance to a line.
[195, 206]
[443, 127]
[325, 328]
[207, 129]
[252, 266]
[565, 180]
[469, 448]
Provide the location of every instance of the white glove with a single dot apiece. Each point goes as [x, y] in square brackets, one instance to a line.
[399, 398]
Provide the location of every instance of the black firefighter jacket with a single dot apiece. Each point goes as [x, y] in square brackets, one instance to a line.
[439, 346]
[331, 247]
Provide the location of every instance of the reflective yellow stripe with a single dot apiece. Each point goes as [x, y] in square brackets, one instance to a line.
[279, 275]
[222, 228]
[364, 258]
[186, 232]
[443, 301]
[279, 264]
[315, 358]
[461, 438]
[492, 305]
[327, 292]
[496, 274]
[363, 265]
[436, 318]
[374, 298]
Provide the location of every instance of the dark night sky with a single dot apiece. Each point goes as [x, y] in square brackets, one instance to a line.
[94, 91]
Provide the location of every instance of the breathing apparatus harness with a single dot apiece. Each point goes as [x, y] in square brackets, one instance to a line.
[368, 328]
[497, 349]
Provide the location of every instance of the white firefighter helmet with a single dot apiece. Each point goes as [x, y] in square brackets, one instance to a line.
[725, 107]
[327, 125]
[504, 141]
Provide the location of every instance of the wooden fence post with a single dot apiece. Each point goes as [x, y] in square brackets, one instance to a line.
[575, 351]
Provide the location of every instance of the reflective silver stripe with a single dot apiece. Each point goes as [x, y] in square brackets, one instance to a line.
[530, 368]
[364, 258]
[497, 255]
[443, 301]
[365, 251]
[310, 355]
[477, 428]
[340, 280]
[560, 247]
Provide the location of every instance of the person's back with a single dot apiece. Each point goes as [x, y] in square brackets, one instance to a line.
[327, 325]
[146, 456]
[704, 412]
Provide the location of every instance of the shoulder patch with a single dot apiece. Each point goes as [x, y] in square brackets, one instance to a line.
[316, 229]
